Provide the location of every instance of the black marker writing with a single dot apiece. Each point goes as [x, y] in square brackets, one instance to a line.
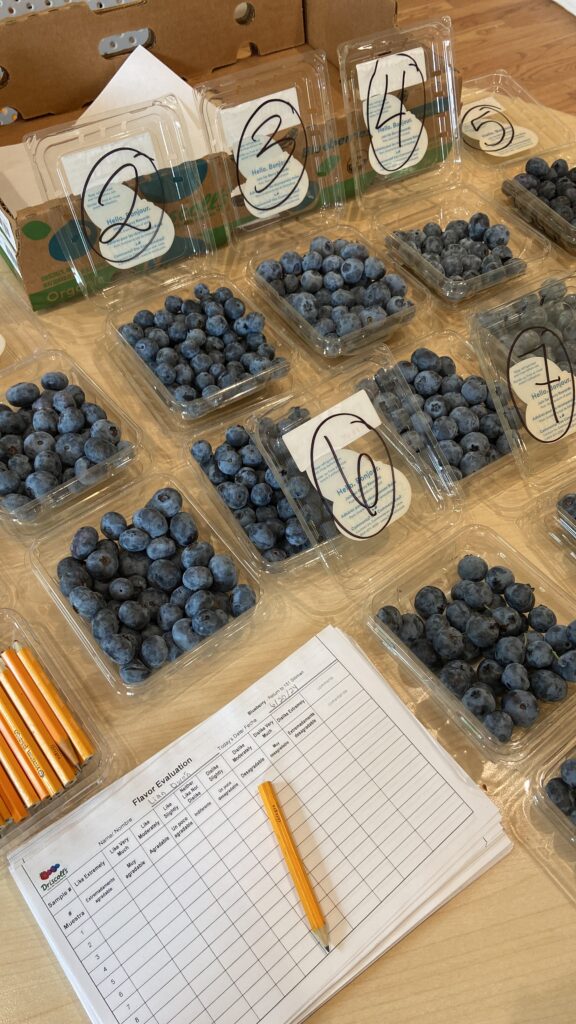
[547, 383]
[399, 114]
[261, 124]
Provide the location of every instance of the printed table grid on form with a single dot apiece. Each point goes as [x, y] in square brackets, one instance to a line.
[190, 915]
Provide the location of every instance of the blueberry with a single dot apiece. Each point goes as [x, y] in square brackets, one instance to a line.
[198, 577]
[448, 643]
[515, 677]
[568, 772]
[242, 598]
[154, 651]
[565, 666]
[121, 589]
[509, 621]
[164, 575]
[522, 707]
[547, 686]
[183, 529]
[184, 635]
[557, 637]
[457, 676]
[134, 539]
[476, 594]
[167, 500]
[112, 525]
[208, 621]
[541, 618]
[54, 380]
[561, 795]
[429, 601]
[539, 654]
[499, 578]
[224, 572]
[482, 630]
[133, 615]
[489, 672]
[520, 596]
[119, 647]
[198, 553]
[458, 614]
[510, 649]
[161, 547]
[150, 520]
[499, 724]
[84, 542]
[86, 602]
[22, 395]
[479, 700]
[391, 617]
[472, 567]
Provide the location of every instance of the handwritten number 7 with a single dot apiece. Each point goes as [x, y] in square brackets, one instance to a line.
[549, 381]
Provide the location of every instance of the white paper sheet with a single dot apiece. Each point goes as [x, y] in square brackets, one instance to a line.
[165, 897]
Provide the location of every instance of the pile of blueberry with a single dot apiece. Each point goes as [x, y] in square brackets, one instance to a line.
[562, 789]
[490, 645]
[464, 248]
[554, 184]
[337, 286]
[50, 435]
[568, 505]
[150, 589]
[546, 316]
[255, 497]
[197, 347]
[459, 411]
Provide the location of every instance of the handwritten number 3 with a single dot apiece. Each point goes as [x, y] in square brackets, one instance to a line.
[257, 141]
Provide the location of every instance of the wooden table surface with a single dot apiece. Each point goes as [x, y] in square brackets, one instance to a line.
[502, 952]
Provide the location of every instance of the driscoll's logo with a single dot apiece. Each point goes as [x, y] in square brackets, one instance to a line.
[45, 875]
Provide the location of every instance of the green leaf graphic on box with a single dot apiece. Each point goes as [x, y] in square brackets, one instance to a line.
[36, 230]
[326, 166]
[69, 243]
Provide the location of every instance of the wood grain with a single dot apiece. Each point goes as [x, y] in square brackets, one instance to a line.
[534, 40]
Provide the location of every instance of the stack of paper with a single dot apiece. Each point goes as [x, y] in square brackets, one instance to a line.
[166, 898]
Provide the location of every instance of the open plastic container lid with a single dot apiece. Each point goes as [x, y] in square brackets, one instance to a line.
[353, 481]
[122, 182]
[276, 125]
[527, 350]
[401, 107]
[402, 115]
[500, 121]
[135, 228]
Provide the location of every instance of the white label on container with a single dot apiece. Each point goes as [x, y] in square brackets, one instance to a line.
[485, 125]
[549, 394]
[398, 139]
[131, 229]
[367, 493]
[263, 135]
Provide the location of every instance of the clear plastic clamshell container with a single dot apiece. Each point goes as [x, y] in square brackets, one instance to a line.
[532, 208]
[37, 513]
[136, 228]
[552, 833]
[96, 770]
[354, 483]
[275, 126]
[278, 558]
[461, 203]
[437, 566]
[500, 121]
[54, 545]
[553, 514]
[401, 106]
[170, 400]
[492, 469]
[378, 324]
[527, 350]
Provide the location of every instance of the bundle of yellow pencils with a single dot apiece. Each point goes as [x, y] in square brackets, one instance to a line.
[42, 745]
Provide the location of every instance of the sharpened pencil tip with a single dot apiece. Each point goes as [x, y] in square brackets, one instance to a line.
[327, 948]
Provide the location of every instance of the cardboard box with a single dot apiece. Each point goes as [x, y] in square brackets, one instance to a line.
[196, 40]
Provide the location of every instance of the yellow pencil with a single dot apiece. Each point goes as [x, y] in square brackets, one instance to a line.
[82, 743]
[295, 866]
[64, 770]
[39, 703]
[16, 732]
